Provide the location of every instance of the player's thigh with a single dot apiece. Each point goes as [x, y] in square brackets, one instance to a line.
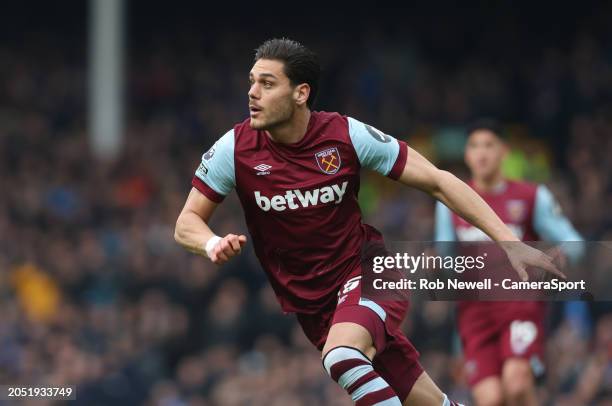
[483, 359]
[357, 322]
[424, 392]
[348, 334]
[480, 340]
[488, 392]
[517, 376]
[522, 347]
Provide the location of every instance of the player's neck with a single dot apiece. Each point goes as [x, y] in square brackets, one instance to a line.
[293, 130]
[491, 184]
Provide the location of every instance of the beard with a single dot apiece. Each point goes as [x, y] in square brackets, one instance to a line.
[274, 118]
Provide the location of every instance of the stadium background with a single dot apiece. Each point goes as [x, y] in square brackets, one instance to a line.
[94, 291]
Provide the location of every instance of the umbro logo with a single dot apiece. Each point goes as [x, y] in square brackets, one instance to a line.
[263, 169]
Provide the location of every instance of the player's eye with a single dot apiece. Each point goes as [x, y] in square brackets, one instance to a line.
[267, 84]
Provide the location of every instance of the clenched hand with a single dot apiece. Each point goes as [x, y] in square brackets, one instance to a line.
[226, 248]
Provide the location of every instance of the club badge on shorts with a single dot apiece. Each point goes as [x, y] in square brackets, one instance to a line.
[522, 335]
[328, 160]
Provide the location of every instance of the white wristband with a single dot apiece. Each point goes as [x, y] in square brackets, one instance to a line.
[211, 244]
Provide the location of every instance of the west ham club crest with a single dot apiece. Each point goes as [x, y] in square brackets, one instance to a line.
[517, 209]
[328, 160]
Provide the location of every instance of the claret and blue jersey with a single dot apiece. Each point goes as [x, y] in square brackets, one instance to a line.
[300, 200]
[494, 331]
[528, 209]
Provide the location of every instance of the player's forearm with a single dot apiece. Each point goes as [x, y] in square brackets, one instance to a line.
[464, 201]
[192, 233]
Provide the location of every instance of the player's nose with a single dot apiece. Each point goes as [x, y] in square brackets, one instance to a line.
[253, 91]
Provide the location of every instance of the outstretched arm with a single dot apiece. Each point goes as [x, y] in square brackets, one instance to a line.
[455, 194]
[193, 233]
[459, 197]
[551, 225]
[390, 157]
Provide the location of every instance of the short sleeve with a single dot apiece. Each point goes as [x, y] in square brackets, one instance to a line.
[444, 229]
[551, 225]
[376, 150]
[549, 222]
[215, 177]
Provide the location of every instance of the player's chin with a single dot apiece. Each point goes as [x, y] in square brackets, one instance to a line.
[484, 172]
[257, 124]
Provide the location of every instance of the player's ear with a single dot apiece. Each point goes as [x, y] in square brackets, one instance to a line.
[301, 93]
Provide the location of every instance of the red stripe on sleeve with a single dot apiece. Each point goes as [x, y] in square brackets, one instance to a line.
[206, 190]
[400, 162]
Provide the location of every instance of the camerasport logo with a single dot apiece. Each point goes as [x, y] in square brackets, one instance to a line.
[328, 160]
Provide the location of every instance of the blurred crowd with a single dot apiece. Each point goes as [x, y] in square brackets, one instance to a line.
[94, 292]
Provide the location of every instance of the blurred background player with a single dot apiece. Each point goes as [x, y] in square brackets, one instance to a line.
[296, 171]
[503, 342]
[94, 290]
